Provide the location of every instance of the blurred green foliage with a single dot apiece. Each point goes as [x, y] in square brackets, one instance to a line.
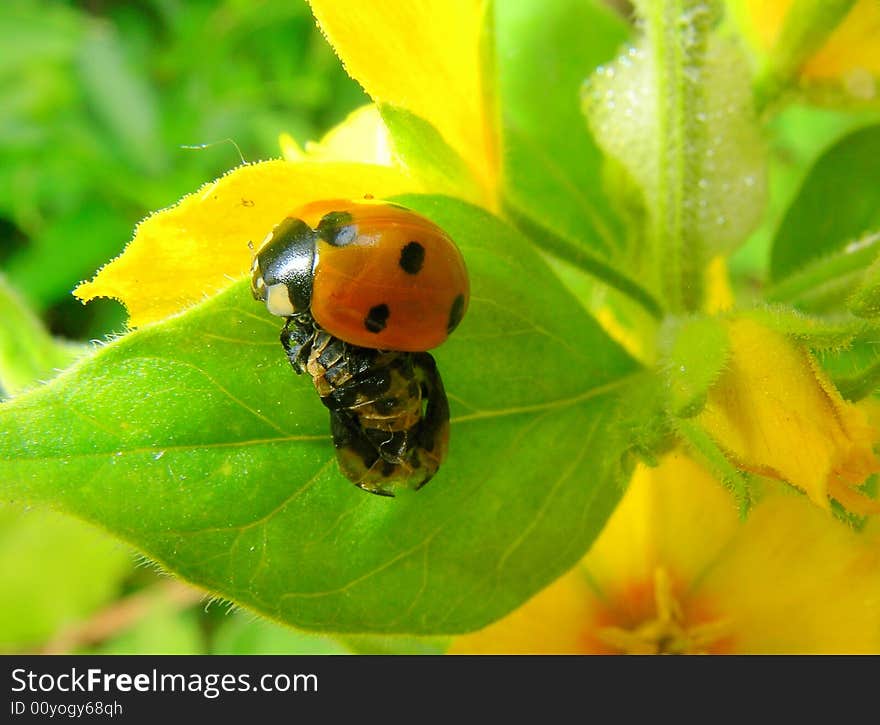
[97, 101]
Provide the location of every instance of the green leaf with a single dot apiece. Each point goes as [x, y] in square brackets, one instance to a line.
[552, 178]
[552, 166]
[838, 203]
[366, 644]
[243, 635]
[676, 112]
[797, 135]
[194, 440]
[694, 351]
[27, 352]
[420, 147]
[825, 283]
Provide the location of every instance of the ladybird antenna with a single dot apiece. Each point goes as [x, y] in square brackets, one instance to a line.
[203, 146]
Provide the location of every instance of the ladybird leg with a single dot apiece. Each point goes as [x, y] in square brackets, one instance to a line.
[297, 338]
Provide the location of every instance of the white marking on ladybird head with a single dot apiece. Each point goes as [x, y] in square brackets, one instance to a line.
[278, 301]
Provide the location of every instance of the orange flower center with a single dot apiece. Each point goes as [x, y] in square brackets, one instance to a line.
[661, 625]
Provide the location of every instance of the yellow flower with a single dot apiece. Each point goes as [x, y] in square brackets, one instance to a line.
[675, 570]
[776, 413]
[850, 53]
[430, 68]
[426, 56]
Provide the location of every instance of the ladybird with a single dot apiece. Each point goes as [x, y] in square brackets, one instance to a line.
[366, 289]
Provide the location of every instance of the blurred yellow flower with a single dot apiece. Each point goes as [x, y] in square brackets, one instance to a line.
[676, 571]
[776, 413]
[850, 53]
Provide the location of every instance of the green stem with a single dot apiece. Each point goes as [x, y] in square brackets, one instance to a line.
[580, 257]
[678, 33]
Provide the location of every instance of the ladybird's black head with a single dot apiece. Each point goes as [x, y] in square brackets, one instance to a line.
[284, 268]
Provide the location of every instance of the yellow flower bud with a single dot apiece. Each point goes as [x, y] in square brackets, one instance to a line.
[775, 412]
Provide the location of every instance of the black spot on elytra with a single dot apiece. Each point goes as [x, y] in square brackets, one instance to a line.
[377, 318]
[336, 228]
[412, 257]
[455, 313]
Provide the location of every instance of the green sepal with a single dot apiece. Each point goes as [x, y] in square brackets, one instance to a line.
[865, 301]
[736, 481]
[818, 333]
[859, 385]
[693, 352]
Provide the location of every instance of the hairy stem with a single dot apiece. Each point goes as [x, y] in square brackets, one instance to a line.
[677, 32]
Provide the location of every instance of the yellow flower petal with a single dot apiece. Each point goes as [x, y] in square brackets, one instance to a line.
[719, 295]
[361, 137]
[424, 56]
[622, 335]
[675, 516]
[794, 580]
[776, 413]
[675, 570]
[558, 620]
[852, 47]
[199, 247]
[661, 522]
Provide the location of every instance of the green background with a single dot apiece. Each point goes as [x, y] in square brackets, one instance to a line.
[97, 101]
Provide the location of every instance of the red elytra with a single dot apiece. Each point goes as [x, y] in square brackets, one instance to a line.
[385, 277]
